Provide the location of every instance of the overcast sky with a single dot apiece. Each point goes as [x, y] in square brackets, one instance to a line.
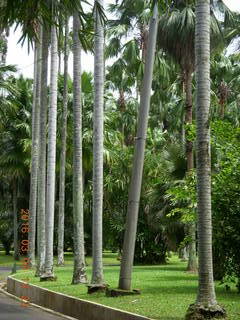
[19, 55]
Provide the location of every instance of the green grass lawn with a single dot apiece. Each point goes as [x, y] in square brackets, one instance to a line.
[108, 258]
[166, 290]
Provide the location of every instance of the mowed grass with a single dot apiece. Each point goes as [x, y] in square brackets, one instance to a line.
[166, 290]
[108, 259]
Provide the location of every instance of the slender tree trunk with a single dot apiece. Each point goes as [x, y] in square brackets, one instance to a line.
[98, 122]
[206, 304]
[63, 153]
[34, 157]
[188, 118]
[51, 157]
[59, 62]
[206, 294]
[4, 46]
[43, 65]
[222, 110]
[79, 272]
[15, 221]
[191, 227]
[192, 258]
[137, 170]
[183, 254]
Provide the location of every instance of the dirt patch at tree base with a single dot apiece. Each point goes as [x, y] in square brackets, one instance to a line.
[119, 292]
[96, 288]
[196, 312]
[48, 278]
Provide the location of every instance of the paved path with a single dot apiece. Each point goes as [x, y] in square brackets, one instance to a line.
[11, 309]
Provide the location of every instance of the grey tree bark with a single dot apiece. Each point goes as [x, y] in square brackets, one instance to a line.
[34, 156]
[4, 42]
[63, 153]
[98, 123]
[206, 304]
[138, 162]
[79, 272]
[51, 157]
[43, 65]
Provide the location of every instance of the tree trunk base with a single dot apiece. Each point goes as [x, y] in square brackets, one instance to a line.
[60, 264]
[37, 274]
[192, 265]
[120, 292]
[14, 268]
[97, 288]
[197, 312]
[48, 277]
[192, 269]
[80, 280]
[39, 271]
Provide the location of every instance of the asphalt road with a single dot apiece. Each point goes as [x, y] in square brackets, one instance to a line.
[11, 309]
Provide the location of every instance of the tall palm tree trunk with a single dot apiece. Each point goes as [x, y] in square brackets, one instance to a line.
[43, 65]
[34, 156]
[191, 227]
[63, 153]
[59, 62]
[15, 220]
[189, 117]
[98, 122]
[4, 42]
[51, 158]
[206, 304]
[79, 272]
[137, 170]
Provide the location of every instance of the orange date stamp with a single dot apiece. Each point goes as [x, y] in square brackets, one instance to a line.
[25, 262]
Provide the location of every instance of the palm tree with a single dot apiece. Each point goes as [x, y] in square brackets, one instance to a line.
[176, 37]
[79, 272]
[35, 154]
[206, 306]
[179, 43]
[51, 159]
[63, 153]
[42, 152]
[137, 170]
[15, 118]
[97, 269]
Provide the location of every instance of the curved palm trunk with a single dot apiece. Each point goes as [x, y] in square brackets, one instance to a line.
[98, 122]
[43, 65]
[34, 157]
[79, 272]
[191, 227]
[63, 154]
[15, 221]
[51, 157]
[206, 304]
[137, 170]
